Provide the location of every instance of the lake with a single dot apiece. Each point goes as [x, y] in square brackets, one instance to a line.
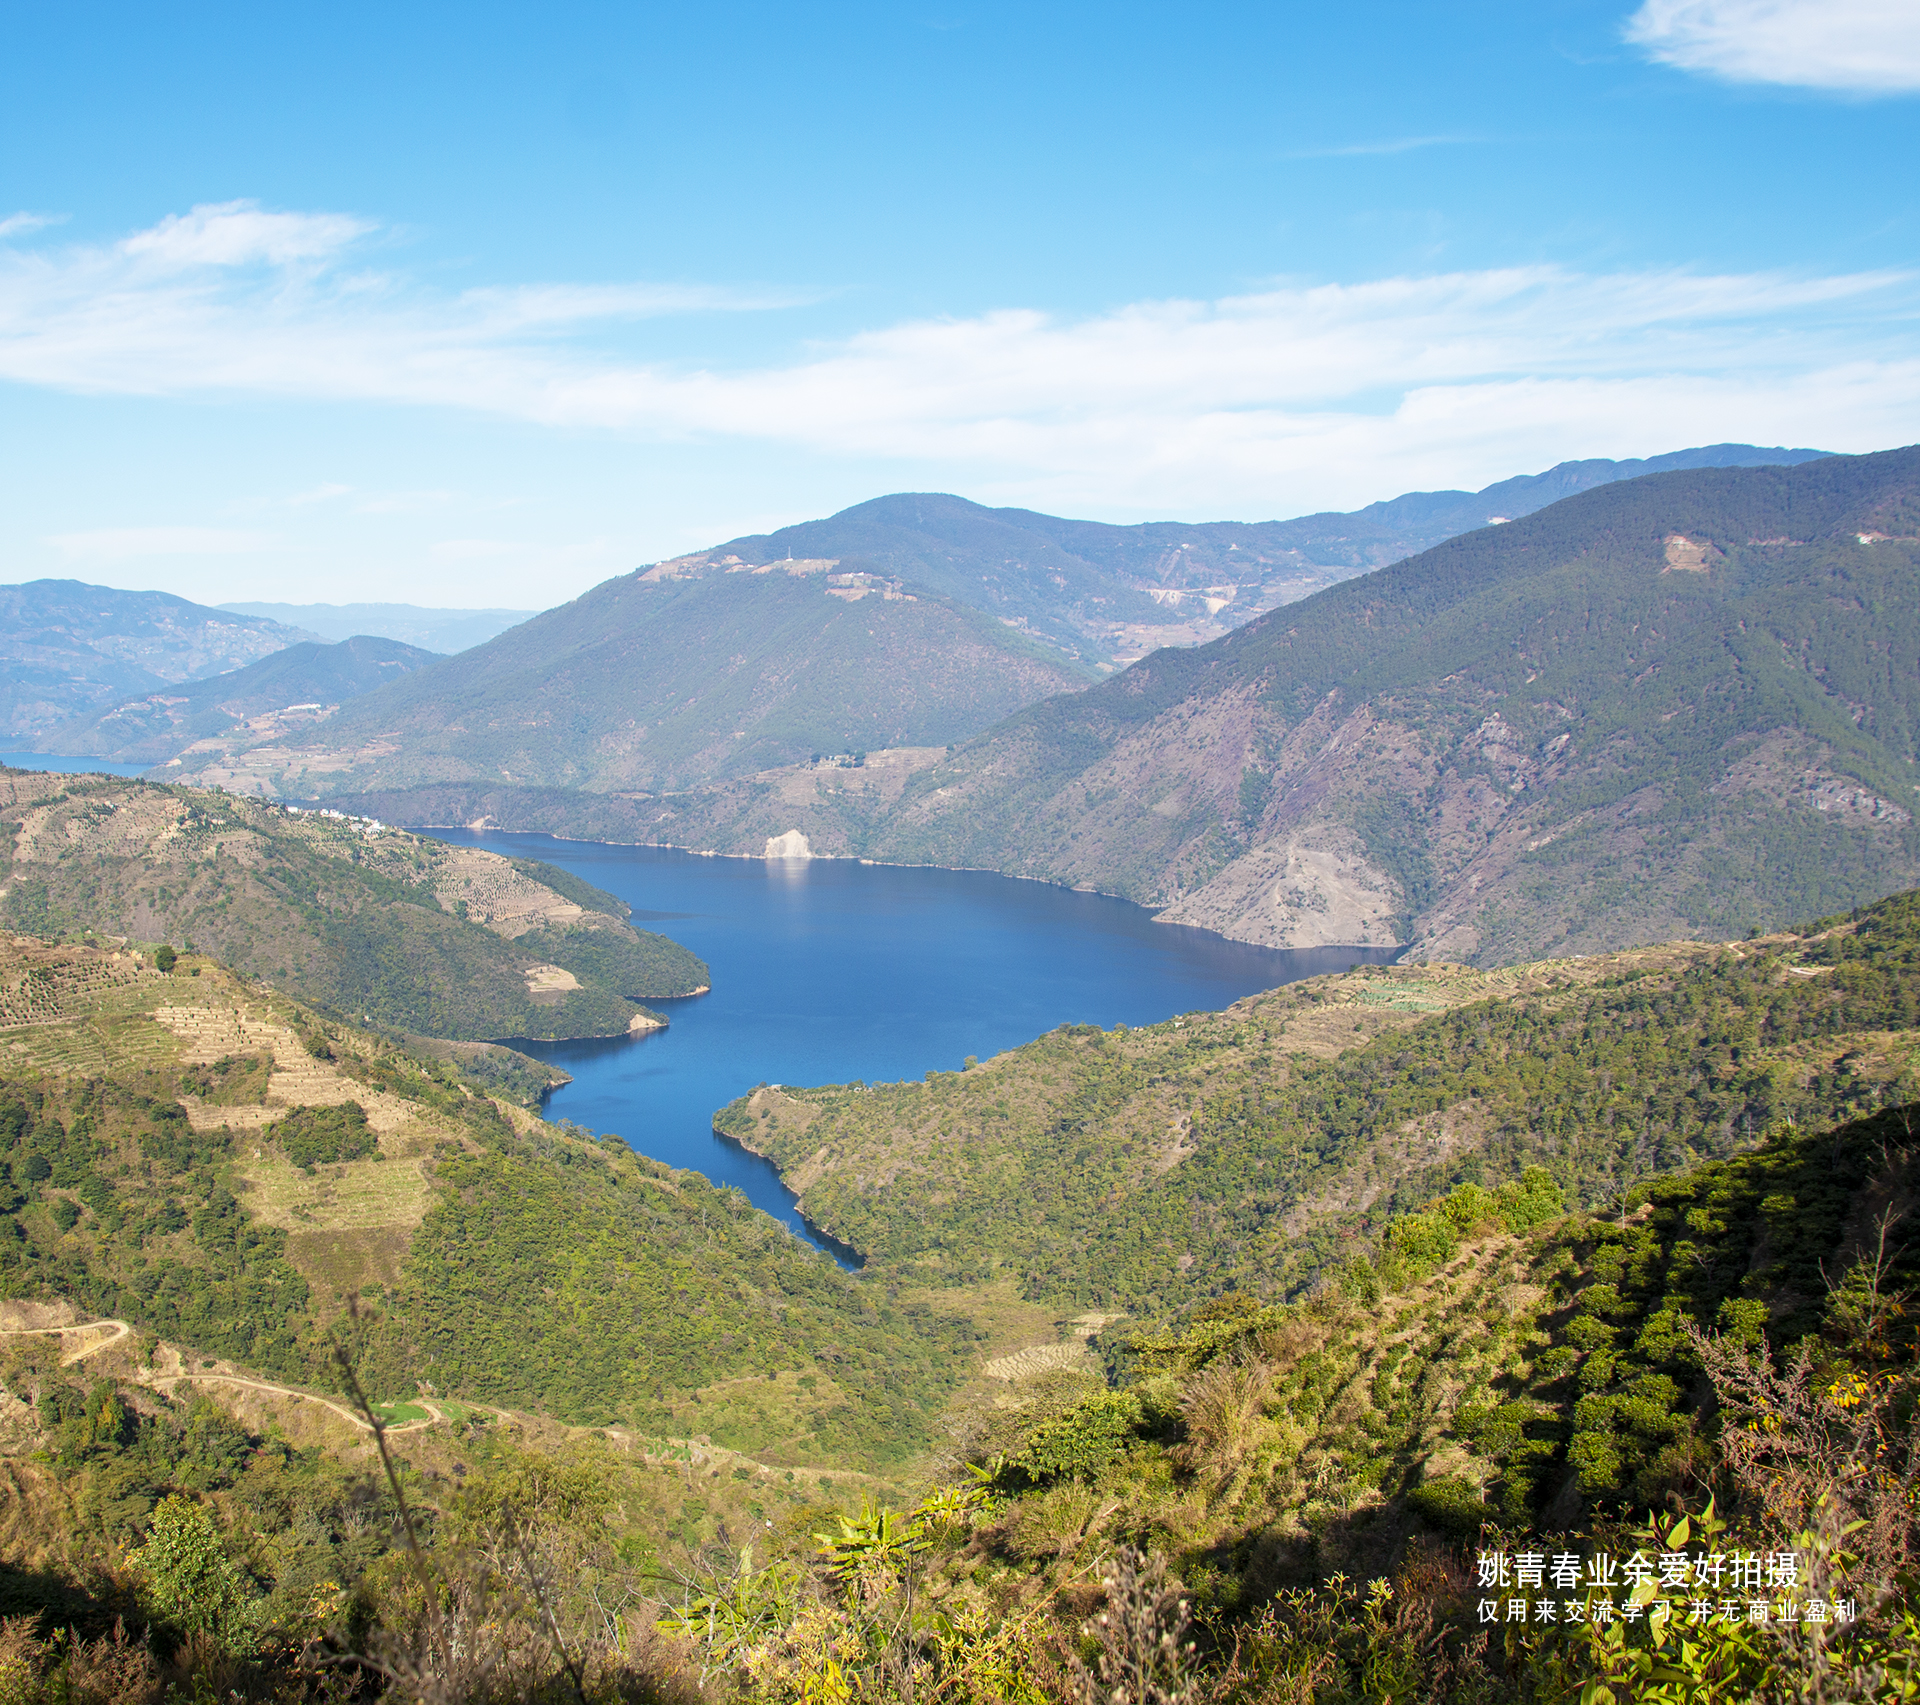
[828, 970]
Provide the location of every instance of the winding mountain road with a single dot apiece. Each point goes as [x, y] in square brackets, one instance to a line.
[121, 1330]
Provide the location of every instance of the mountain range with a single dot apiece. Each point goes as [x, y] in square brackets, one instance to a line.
[67, 648]
[1686, 703]
[285, 689]
[1108, 594]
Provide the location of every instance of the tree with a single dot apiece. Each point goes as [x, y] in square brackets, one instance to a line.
[191, 1583]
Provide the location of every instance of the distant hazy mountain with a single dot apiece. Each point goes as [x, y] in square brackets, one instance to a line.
[294, 688]
[66, 648]
[671, 676]
[444, 631]
[1111, 594]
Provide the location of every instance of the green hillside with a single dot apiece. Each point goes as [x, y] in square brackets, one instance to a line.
[1582, 1241]
[1681, 704]
[229, 1204]
[666, 678]
[304, 678]
[374, 923]
[1141, 1170]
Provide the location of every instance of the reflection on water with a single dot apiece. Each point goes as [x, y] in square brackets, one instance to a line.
[828, 971]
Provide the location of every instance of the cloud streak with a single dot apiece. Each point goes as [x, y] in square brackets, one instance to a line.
[1866, 47]
[1311, 394]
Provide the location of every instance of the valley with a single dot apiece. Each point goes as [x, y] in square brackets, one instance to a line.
[1494, 1119]
[1304, 1288]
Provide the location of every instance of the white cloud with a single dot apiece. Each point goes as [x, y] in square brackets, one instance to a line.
[1856, 46]
[25, 224]
[126, 544]
[1264, 403]
[238, 233]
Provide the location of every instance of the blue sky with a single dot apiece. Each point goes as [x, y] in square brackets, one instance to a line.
[479, 305]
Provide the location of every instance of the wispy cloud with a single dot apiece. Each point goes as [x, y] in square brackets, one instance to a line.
[1313, 395]
[132, 544]
[25, 224]
[1388, 145]
[1850, 46]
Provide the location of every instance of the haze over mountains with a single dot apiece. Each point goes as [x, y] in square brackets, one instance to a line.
[66, 647]
[288, 689]
[444, 631]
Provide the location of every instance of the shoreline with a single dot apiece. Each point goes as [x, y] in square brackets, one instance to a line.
[1154, 914]
[855, 1261]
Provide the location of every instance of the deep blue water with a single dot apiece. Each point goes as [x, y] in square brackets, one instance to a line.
[70, 766]
[829, 970]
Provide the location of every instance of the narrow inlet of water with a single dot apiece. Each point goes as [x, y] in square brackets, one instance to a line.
[828, 971]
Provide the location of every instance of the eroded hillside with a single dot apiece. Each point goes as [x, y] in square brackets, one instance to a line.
[1685, 704]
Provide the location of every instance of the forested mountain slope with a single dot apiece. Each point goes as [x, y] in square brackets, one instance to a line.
[67, 648]
[292, 688]
[671, 676]
[1139, 1171]
[222, 1167]
[364, 921]
[1688, 703]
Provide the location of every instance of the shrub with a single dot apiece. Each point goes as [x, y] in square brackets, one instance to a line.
[311, 1136]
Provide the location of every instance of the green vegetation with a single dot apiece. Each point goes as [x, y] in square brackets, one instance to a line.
[116, 1202]
[539, 1269]
[604, 1288]
[371, 926]
[319, 1136]
[1142, 1169]
[1640, 750]
[1415, 1261]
